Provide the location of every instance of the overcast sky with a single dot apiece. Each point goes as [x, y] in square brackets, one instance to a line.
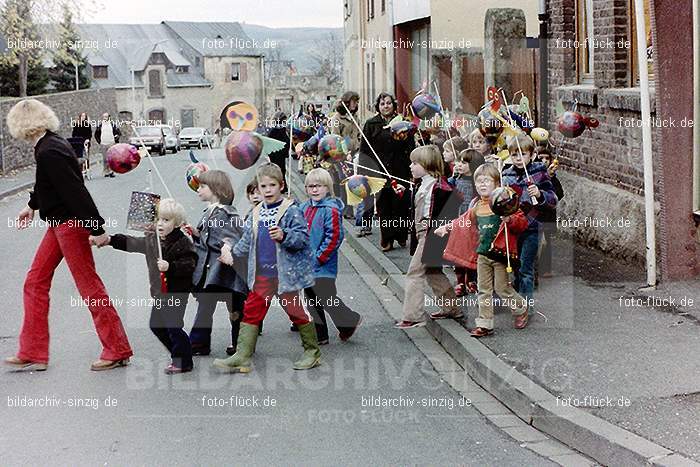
[273, 13]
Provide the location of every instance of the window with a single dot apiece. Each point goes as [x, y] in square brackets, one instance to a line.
[155, 88]
[196, 61]
[584, 35]
[420, 57]
[383, 6]
[125, 116]
[633, 61]
[370, 9]
[182, 69]
[100, 72]
[156, 116]
[187, 118]
[235, 71]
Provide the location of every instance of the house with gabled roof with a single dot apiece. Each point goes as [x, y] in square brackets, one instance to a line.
[181, 73]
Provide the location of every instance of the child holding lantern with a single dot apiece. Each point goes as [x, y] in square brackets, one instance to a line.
[486, 241]
[532, 183]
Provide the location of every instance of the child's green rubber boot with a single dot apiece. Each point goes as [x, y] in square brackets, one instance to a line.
[240, 361]
[312, 353]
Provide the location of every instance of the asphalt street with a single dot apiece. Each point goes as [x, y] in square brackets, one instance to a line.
[331, 415]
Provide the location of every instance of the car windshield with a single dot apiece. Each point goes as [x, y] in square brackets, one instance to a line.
[148, 131]
[191, 132]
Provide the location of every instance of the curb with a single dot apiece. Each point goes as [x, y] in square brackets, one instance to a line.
[586, 433]
[17, 189]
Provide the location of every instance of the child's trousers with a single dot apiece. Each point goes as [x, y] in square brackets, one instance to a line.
[493, 277]
[323, 297]
[167, 321]
[260, 298]
[200, 336]
[416, 276]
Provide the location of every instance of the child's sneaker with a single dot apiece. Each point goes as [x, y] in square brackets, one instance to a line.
[409, 324]
[481, 332]
[460, 290]
[174, 370]
[446, 315]
[472, 288]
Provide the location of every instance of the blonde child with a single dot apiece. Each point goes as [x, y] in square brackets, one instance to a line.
[450, 150]
[478, 239]
[434, 203]
[323, 214]
[483, 147]
[178, 263]
[280, 264]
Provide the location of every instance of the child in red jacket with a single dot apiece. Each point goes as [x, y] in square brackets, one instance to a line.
[478, 240]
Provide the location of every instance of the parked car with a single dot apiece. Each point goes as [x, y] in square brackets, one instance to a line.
[195, 137]
[172, 140]
[151, 136]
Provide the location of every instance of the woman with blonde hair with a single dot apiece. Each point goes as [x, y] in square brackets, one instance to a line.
[73, 224]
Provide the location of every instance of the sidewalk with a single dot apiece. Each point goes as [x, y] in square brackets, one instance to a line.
[16, 181]
[596, 350]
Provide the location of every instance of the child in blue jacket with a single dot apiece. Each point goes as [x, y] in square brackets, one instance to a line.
[323, 213]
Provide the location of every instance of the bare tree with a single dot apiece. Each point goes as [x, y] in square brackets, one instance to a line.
[23, 23]
[329, 59]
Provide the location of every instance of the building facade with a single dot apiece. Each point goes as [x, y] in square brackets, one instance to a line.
[179, 73]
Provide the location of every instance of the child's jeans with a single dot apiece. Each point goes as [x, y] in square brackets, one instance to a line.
[260, 298]
[494, 278]
[322, 297]
[200, 336]
[416, 276]
[69, 242]
[167, 321]
[364, 214]
[528, 244]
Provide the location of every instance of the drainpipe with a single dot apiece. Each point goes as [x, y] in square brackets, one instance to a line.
[543, 110]
[650, 217]
[696, 109]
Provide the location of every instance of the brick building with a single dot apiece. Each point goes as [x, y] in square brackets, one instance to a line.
[603, 169]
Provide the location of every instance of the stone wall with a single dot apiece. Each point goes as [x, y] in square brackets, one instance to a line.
[67, 106]
[602, 170]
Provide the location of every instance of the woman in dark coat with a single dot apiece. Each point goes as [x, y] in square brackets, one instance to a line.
[394, 200]
[73, 224]
[83, 129]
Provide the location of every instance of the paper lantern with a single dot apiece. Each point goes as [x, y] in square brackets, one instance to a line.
[333, 147]
[243, 149]
[122, 158]
[425, 106]
[504, 201]
[193, 173]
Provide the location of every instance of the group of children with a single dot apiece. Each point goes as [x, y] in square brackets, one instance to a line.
[453, 224]
[279, 250]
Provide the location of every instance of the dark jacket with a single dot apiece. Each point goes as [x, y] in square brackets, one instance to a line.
[115, 130]
[59, 192]
[279, 156]
[82, 130]
[177, 250]
[517, 179]
[444, 205]
[223, 223]
[550, 215]
[394, 154]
